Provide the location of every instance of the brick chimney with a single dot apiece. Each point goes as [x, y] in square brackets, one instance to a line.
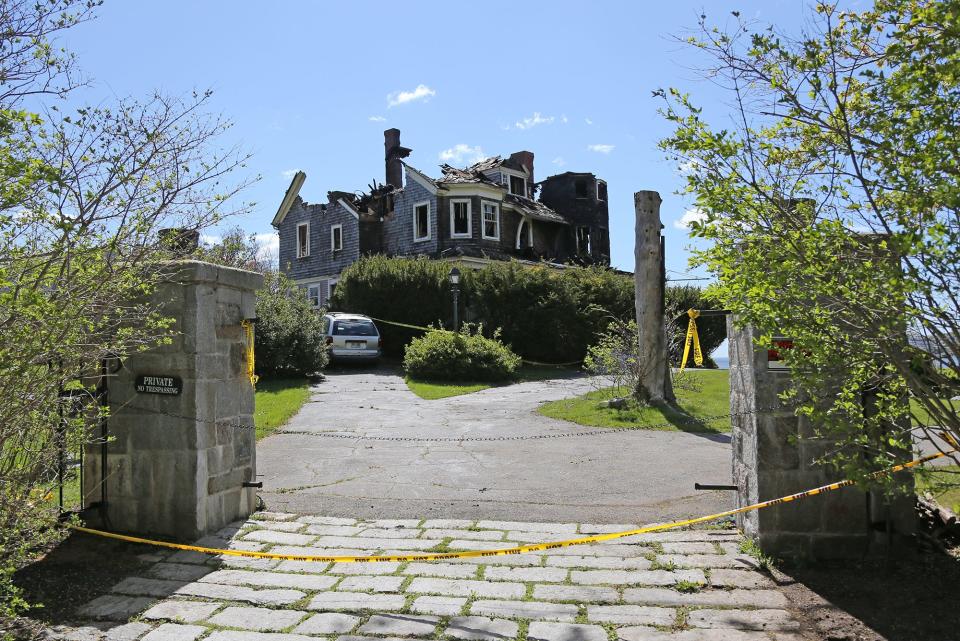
[393, 153]
[525, 159]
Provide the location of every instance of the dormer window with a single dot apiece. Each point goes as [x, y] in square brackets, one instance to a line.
[518, 186]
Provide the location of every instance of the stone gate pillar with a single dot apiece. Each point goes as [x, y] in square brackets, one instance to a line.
[182, 439]
[773, 455]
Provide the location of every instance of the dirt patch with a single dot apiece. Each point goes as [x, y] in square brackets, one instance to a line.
[912, 598]
[70, 574]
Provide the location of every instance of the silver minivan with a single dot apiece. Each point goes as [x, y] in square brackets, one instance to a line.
[351, 337]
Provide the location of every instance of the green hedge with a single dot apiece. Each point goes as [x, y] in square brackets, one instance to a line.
[415, 291]
[289, 339]
[460, 356]
[543, 313]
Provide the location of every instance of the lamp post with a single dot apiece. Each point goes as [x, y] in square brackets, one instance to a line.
[455, 290]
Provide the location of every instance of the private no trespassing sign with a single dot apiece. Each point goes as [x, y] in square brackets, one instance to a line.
[151, 384]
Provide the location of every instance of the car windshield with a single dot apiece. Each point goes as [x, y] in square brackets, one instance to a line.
[354, 328]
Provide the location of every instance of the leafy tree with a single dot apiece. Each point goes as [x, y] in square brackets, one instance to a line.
[289, 339]
[82, 199]
[833, 210]
[236, 248]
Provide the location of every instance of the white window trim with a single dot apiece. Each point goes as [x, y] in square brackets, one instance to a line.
[453, 203]
[420, 239]
[310, 298]
[483, 219]
[507, 173]
[305, 254]
[528, 224]
[604, 183]
[333, 245]
[330, 285]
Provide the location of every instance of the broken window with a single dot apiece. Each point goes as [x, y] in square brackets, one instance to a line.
[518, 186]
[336, 238]
[601, 190]
[460, 219]
[491, 221]
[421, 222]
[583, 240]
[303, 240]
[580, 185]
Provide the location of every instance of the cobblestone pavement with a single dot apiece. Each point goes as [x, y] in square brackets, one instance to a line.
[670, 586]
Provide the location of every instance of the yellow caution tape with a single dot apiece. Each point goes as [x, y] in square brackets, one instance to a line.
[535, 547]
[248, 330]
[692, 337]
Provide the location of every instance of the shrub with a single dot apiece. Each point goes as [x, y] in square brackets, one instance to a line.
[289, 334]
[544, 313]
[466, 355]
[549, 314]
[406, 290]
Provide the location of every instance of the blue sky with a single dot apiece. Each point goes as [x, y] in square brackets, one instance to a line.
[312, 86]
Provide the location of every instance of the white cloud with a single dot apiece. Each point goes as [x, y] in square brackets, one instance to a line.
[601, 149]
[693, 215]
[377, 119]
[269, 243]
[563, 119]
[209, 239]
[559, 161]
[536, 119]
[462, 154]
[686, 168]
[422, 92]
[588, 121]
[288, 173]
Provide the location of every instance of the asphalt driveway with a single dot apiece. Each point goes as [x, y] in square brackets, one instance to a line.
[365, 446]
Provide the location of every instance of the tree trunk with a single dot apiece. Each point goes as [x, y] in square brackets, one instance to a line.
[654, 385]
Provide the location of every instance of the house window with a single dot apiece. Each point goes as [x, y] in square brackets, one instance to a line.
[313, 295]
[518, 186]
[601, 190]
[491, 221]
[583, 240]
[580, 186]
[460, 219]
[303, 240]
[331, 288]
[421, 221]
[336, 237]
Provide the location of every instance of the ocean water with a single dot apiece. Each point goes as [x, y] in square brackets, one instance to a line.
[723, 362]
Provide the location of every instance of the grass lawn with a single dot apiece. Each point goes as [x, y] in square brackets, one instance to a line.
[943, 482]
[708, 395]
[277, 401]
[432, 390]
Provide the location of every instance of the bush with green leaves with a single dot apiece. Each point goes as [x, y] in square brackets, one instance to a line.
[289, 338]
[466, 355]
[415, 291]
[544, 313]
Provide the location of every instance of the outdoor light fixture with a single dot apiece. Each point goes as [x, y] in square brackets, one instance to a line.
[455, 290]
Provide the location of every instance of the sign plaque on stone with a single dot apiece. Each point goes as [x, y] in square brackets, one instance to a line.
[168, 385]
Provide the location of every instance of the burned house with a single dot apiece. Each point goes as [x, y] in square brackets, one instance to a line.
[485, 212]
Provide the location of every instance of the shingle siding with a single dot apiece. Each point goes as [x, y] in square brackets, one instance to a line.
[322, 261]
[398, 230]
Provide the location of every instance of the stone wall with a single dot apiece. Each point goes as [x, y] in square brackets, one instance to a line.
[176, 464]
[774, 454]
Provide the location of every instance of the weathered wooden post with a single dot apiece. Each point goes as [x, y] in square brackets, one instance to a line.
[655, 385]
